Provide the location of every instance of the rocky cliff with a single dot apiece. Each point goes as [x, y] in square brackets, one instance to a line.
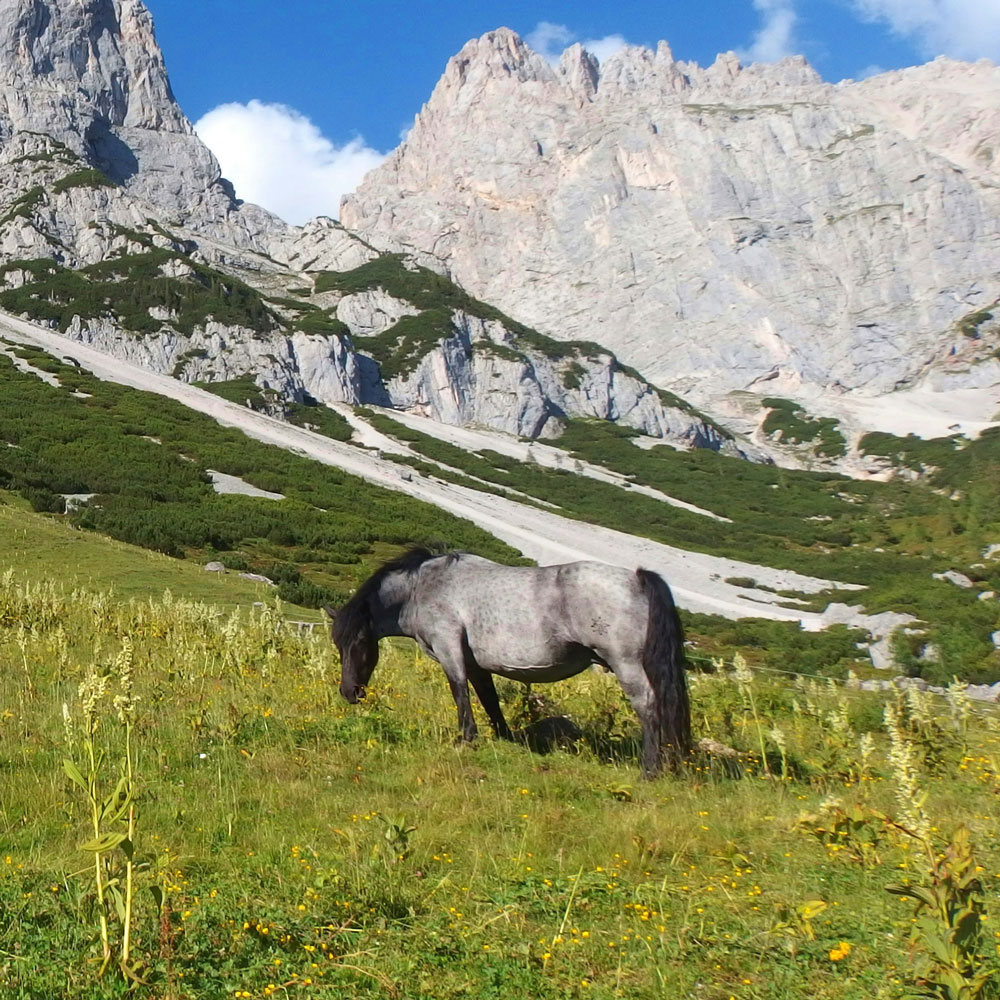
[117, 228]
[714, 227]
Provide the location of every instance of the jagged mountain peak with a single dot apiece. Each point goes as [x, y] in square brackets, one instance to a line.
[84, 87]
[499, 54]
[501, 57]
[716, 227]
[101, 55]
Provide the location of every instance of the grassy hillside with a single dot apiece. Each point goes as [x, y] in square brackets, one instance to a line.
[145, 459]
[889, 537]
[281, 843]
[43, 549]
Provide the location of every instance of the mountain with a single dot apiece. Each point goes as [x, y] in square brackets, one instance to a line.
[716, 228]
[117, 232]
[117, 228]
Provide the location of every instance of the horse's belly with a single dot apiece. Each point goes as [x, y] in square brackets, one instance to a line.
[539, 674]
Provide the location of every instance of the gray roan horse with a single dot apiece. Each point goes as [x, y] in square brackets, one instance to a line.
[478, 618]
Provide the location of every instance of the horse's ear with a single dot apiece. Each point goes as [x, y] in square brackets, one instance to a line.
[330, 610]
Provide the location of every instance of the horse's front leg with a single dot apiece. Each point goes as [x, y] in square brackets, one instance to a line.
[466, 720]
[458, 680]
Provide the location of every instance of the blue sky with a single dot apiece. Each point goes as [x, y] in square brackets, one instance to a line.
[356, 73]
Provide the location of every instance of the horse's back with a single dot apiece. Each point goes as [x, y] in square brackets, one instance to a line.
[529, 616]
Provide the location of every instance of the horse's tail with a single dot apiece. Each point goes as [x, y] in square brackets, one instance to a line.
[664, 663]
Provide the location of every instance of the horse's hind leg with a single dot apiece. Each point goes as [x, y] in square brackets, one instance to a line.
[641, 696]
[482, 682]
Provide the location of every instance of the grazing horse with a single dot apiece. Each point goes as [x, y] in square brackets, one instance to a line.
[478, 618]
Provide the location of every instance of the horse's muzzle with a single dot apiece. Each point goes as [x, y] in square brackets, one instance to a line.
[352, 695]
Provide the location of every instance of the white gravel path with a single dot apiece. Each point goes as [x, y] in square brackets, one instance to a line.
[546, 455]
[698, 580]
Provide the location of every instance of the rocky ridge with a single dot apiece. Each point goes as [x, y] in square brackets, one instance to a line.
[726, 228]
[167, 269]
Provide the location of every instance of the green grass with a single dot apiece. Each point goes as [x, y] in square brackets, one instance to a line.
[44, 549]
[969, 325]
[127, 287]
[311, 414]
[86, 177]
[400, 349]
[912, 452]
[24, 207]
[305, 847]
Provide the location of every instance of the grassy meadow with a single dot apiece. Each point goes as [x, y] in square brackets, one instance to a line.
[47, 548]
[182, 785]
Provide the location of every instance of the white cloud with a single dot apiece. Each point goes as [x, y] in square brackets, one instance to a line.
[550, 40]
[964, 29]
[604, 47]
[277, 158]
[776, 37]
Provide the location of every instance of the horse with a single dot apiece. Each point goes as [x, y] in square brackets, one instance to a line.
[478, 618]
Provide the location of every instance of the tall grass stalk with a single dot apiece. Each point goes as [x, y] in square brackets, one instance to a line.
[903, 761]
[743, 676]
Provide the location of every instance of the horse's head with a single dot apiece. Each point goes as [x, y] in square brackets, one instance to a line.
[373, 611]
[352, 633]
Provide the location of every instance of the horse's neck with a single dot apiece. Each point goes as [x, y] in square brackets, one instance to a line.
[390, 604]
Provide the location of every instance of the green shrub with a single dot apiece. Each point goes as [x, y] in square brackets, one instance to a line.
[797, 427]
[85, 177]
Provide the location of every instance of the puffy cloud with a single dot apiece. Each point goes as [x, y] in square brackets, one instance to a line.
[550, 40]
[604, 47]
[964, 29]
[277, 158]
[775, 39]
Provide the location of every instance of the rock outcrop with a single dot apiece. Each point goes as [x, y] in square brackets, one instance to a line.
[85, 83]
[477, 373]
[713, 227]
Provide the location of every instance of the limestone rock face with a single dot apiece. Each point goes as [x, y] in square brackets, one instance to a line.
[319, 245]
[370, 313]
[83, 85]
[481, 376]
[475, 376]
[713, 227]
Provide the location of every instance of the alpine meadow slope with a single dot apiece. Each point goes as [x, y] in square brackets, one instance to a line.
[189, 810]
[118, 233]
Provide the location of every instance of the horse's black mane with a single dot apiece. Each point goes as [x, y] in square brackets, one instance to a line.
[355, 613]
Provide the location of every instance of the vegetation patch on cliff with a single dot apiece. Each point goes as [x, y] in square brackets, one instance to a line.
[439, 297]
[789, 422]
[86, 177]
[308, 413]
[126, 289]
